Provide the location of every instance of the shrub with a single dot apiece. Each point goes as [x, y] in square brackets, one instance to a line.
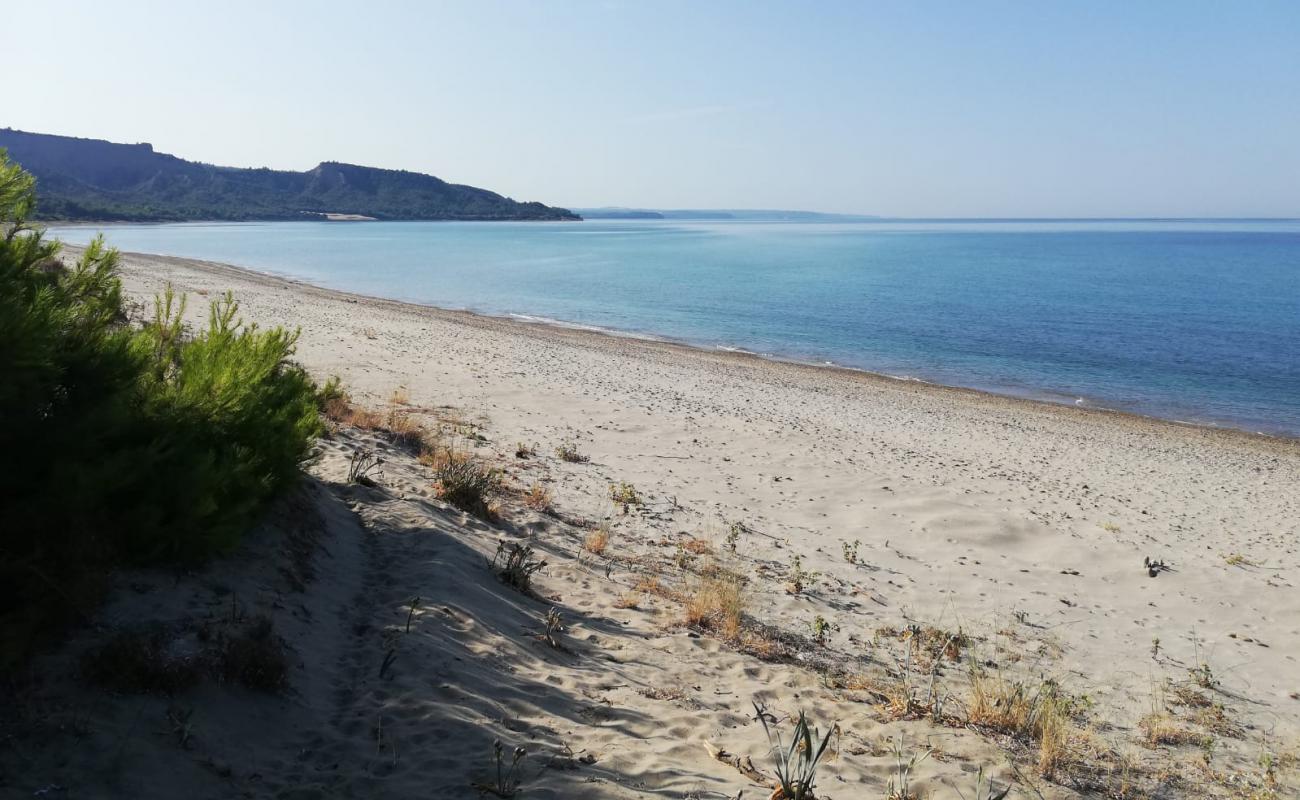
[517, 566]
[121, 444]
[466, 484]
[138, 661]
[254, 657]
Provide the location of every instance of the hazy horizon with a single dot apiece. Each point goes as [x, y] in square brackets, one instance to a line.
[1009, 110]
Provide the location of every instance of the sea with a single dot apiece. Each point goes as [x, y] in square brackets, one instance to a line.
[1196, 321]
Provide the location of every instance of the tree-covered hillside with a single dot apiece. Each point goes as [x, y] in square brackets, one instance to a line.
[91, 179]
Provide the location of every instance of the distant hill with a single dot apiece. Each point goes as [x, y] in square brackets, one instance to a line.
[91, 179]
[752, 215]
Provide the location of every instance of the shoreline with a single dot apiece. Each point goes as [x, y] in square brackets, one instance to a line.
[754, 360]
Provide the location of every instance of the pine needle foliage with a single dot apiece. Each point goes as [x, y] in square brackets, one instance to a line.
[124, 444]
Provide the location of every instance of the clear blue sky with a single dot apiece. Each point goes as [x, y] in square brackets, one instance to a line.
[902, 108]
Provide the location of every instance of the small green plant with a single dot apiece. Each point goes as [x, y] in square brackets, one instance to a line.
[795, 764]
[1155, 647]
[851, 551]
[568, 452]
[800, 578]
[900, 784]
[821, 629]
[1110, 527]
[1203, 676]
[523, 450]
[331, 393]
[1238, 560]
[624, 494]
[733, 535]
[363, 466]
[517, 565]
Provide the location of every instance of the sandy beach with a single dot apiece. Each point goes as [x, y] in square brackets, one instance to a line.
[1022, 526]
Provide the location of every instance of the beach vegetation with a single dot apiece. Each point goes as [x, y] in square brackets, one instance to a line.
[822, 629]
[799, 578]
[538, 498]
[552, 627]
[851, 550]
[515, 564]
[900, 783]
[524, 450]
[363, 467]
[466, 484]
[795, 763]
[139, 661]
[1039, 713]
[568, 452]
[624, 494]
[630, 600]
[716, 603]
[597, 541]
[126, 444]
[697, 546]
[734, 530]
[507, 779]
[253, 657]
[985, 789]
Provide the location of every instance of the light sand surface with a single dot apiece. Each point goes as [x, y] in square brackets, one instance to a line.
[1023, 525]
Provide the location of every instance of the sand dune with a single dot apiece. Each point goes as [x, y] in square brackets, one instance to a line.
[1023, 526]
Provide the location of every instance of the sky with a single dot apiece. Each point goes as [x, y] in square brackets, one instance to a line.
[931, 109]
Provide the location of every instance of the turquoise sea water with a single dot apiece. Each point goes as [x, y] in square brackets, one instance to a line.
[1196, 321]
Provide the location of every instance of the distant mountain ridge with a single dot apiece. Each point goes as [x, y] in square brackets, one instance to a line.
[93, 179]
[751, 214]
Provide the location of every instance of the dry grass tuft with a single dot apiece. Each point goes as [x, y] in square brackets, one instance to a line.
[1041, 714]
[715, 604]
[928, 641]
[697, 547]
[597, 541]
[254, 657]
[344, 412]
[650, 584]
[1214, 718]
[403, 429]
[662, 692]
[139, 661]
[630, 599]
[1160, 728]
[538, 498]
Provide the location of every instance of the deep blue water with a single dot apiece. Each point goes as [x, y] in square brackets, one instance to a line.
[1197, 321]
